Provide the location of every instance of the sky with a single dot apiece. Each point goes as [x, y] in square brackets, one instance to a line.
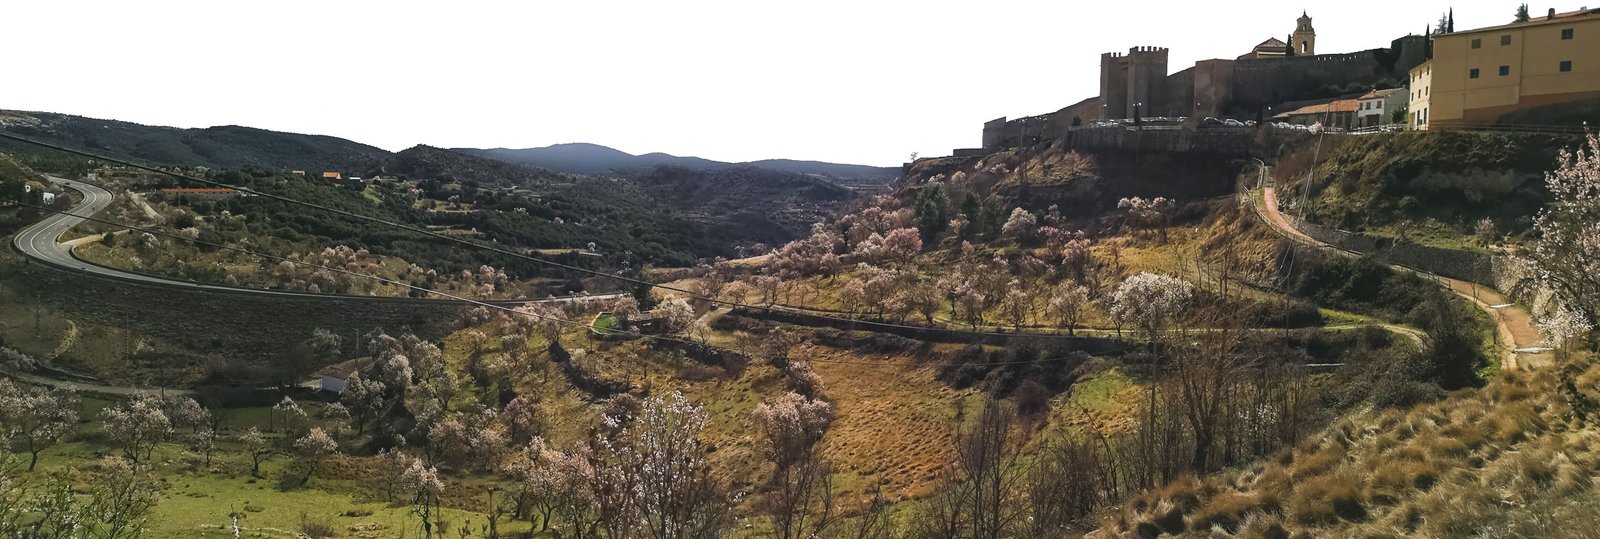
[844, 81]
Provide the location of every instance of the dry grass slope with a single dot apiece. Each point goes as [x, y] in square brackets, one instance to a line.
[1496, 461]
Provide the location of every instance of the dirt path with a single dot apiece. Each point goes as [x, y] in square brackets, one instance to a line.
[1520, 343]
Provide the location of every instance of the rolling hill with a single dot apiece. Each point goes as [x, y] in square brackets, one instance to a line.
[585, 158]
[221, 147]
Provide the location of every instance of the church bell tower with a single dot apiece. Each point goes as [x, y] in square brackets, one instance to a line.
[1304, 39]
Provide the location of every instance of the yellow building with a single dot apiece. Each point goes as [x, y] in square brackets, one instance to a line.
[1477, 76]
[1421, 88]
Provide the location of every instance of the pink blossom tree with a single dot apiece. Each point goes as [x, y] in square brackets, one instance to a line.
[902, 245]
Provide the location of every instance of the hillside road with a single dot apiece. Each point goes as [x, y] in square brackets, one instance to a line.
[1521, 345]
[39, 243]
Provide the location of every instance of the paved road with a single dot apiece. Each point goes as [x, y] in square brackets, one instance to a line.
[39, 242]
[1521, 345]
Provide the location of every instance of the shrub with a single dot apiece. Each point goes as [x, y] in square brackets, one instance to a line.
[695, 372]
[1032, 398]
[315, 529]
[1295, 313]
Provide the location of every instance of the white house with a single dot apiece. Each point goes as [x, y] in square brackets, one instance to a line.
[47, 197]
[334, 378]
[1377, 107]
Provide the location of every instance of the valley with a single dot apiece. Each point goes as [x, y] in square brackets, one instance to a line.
[1275, 292]
[907, 330]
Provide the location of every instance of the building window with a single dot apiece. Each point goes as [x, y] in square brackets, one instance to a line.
[1473, 73]
[1477, 43]
[1505, 70]
[1566, 65]
[1505, 40]
[1566, 33]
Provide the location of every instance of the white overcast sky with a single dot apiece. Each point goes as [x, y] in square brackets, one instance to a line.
[846, 81]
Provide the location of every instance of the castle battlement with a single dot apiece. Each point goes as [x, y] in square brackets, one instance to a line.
[1136, 82]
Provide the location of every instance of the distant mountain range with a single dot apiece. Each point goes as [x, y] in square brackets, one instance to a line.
[769, 201]
[594, 159]
[232, 146]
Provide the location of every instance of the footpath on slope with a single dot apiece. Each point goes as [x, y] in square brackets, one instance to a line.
[1514, 326]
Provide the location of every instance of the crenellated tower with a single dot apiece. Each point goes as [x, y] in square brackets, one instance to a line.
[1133, 79]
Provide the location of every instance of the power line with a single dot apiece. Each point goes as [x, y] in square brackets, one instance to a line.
[196, 241]
[792, 309]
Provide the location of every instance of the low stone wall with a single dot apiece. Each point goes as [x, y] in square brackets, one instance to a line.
[255, 328]
[1453, 263]
[1089, 345]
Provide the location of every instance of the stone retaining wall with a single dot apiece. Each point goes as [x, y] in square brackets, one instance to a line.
[1453, 263]
[1090, 345]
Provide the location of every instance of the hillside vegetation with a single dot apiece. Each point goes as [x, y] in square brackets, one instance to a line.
[1433, 188]
[222, 147]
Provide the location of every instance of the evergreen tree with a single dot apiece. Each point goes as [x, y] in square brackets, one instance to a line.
[1522, 13]
[933, 212]
[972, 208]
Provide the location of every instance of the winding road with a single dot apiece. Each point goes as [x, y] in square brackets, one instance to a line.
[1521, 345]
[39, 243]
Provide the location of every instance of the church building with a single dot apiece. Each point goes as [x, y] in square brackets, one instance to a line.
[1304, 40]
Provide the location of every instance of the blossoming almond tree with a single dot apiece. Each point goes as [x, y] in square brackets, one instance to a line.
[1568, 249]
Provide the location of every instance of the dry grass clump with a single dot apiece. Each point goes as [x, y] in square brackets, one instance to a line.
[1392, 480]
[1227, 511]
[1325, 498]
[1492, 462]
[1440, 446]
[1314, 464]
[1456, 511]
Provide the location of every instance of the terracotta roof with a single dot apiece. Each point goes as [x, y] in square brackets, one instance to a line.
[1272, 42]
[1342, 105]
[1379, 94]
[330, 174]
[198, 190]
[345, 369]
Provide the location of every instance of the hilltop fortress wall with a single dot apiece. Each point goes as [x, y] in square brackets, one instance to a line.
[1136, 84]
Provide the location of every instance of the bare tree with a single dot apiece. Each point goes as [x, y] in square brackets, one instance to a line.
[986, 457]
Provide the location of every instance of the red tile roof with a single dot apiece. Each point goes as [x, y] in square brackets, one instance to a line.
[1342, 105]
